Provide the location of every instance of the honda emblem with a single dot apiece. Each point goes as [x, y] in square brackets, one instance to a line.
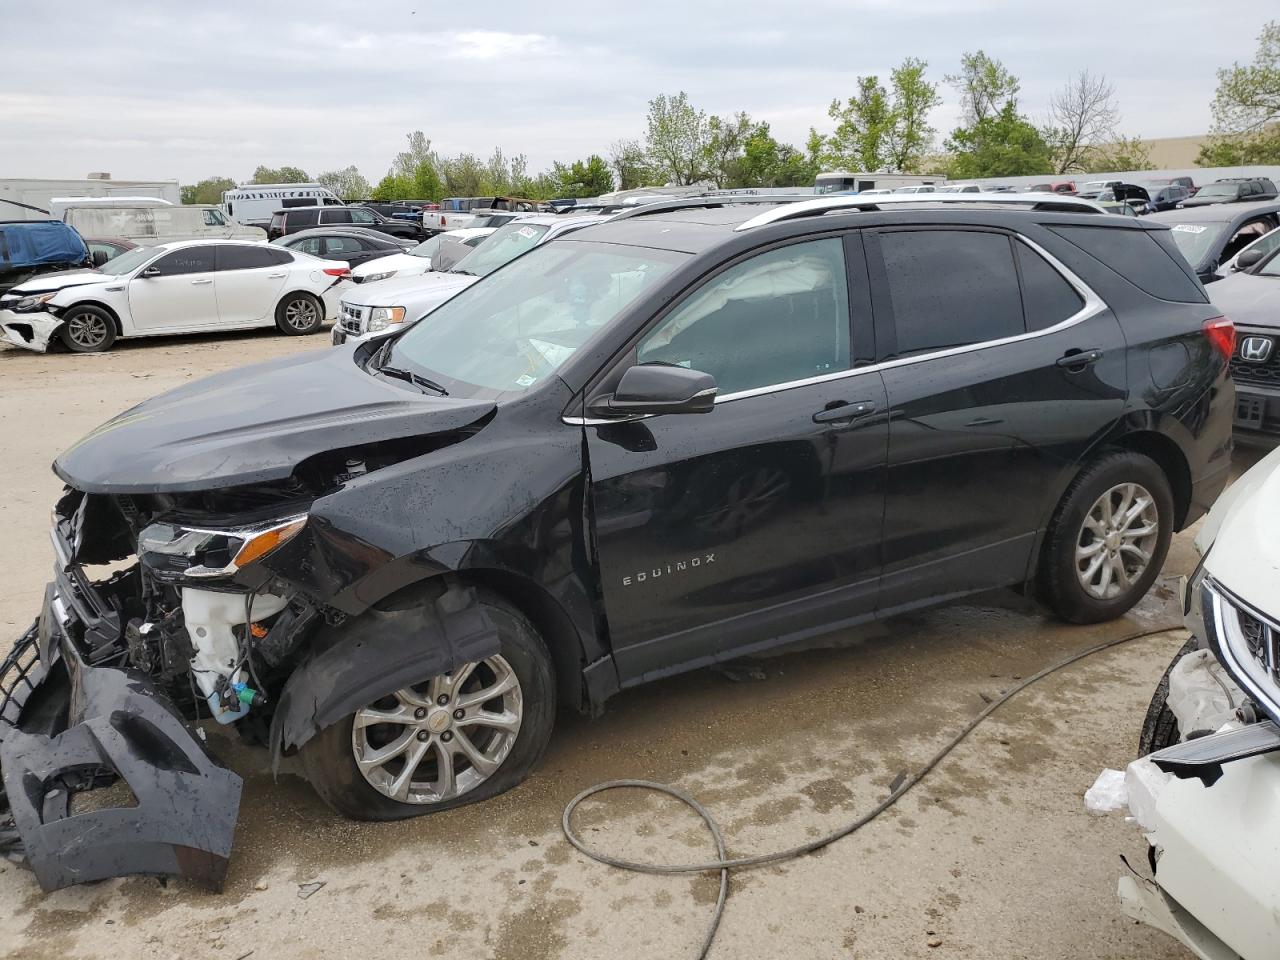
[1255, 349]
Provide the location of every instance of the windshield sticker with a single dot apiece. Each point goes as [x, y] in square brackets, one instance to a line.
[1189, 228]
[527, 232]
[554, 353]
[524, 380]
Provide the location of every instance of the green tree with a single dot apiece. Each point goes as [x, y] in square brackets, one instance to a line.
[675, 138]
[630, 165]
[1246, 108]
[986, 87]
[208, 190]
[1002, 144]
[1124, 153]
[582, 178]
[860, 138]
[266, 174]
[910, 135]
[722, 148]
[347, 183]
[767, 163]
[465, 175]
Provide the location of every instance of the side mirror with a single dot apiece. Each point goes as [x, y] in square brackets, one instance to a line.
[659, 388]
[150, 272]
[1250, 258]
[100, 257]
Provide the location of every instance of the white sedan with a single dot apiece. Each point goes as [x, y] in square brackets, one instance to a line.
[190, 286]
[415, 262]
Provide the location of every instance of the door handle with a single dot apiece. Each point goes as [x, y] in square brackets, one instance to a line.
[276, 276]
[1079, 358]
[843, 410]
[196, 283]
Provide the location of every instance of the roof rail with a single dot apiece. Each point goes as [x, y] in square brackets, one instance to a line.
[686, 203]
[821, 205]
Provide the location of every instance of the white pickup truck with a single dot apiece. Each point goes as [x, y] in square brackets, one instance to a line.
[459, 213]
[372, 309]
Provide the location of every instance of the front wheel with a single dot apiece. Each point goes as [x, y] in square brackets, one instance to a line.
[446, 741]
[1108, 540]
[87, 329]
[299, 314]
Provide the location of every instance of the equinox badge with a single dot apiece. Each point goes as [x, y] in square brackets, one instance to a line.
[669, 569]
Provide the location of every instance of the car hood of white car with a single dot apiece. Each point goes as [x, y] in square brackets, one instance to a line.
[1242, 534]
[57, 281]
[409, 292]
[399, 263]
[1248, 299]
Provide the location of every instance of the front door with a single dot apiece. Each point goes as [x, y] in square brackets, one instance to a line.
[1000, 375]
[724, 532]
[178, 295]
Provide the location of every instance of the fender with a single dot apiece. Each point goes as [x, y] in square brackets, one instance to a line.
[419, 632]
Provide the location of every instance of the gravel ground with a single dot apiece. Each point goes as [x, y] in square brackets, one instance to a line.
[993, 856]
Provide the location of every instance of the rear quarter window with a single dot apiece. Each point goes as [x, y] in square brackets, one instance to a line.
[1138, 257]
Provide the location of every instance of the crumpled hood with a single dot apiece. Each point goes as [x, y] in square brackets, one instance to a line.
[1245, 552]
[254, 424]
[429, 289]
[1246, 299]
[47, 282]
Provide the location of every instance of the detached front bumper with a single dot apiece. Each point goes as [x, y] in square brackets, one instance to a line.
[120, 728]
[31, 331]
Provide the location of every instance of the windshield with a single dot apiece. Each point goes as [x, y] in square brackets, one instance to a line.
[1196, 239]
[427, 248]
[517, 327]
[1219, 190]
[503, 246]
[128, 261]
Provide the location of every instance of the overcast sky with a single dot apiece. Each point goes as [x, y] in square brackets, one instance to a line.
[159, 90]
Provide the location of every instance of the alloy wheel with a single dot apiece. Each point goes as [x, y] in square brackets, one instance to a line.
[300, 314]
[88, 330]
[431, 742]
[1117, 540]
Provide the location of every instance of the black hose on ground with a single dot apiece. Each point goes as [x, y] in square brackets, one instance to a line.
[723, 864]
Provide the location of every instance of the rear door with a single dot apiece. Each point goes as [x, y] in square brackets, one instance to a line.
[1001, 372]
[249, 281]
[179, 294]
[722, 532]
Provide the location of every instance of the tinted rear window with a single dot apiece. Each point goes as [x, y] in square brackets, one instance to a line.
[950, 288]
[237, 257]
[1047, 297]
[1138, 257]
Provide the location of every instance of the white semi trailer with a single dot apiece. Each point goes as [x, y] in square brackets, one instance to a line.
[31, 199]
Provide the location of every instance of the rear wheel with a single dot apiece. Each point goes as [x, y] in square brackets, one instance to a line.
[87, 329]
[299, 314]
[445, 741]
[1108, 540]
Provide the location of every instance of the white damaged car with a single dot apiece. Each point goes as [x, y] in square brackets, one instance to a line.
[190, 286]
[1208, 798]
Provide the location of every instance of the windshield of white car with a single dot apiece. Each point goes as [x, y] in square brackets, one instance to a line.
[518, 326]
[427, 248]
[502, 246]
[128, 261]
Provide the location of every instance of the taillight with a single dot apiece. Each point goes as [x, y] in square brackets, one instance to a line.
[346, 272]
[1221, 332]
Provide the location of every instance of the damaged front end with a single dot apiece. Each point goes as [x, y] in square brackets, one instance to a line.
[103, 690]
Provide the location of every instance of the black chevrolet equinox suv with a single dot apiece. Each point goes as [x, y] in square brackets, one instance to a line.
[699, 430]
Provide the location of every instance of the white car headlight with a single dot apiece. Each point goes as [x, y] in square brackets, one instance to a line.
[33, 303]
[382, 317]
[375, 277]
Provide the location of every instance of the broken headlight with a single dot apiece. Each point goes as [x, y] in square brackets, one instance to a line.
[174, 550]
[33, 303]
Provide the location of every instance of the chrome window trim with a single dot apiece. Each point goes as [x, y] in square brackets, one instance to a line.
[1093, 305]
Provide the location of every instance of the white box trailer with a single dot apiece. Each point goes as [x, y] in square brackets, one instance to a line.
[31, 199]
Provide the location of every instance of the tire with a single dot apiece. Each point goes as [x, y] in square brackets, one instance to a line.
[1080, 522]
[1160, 728]
[87, 329]
[329, 758]
[299, 314]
